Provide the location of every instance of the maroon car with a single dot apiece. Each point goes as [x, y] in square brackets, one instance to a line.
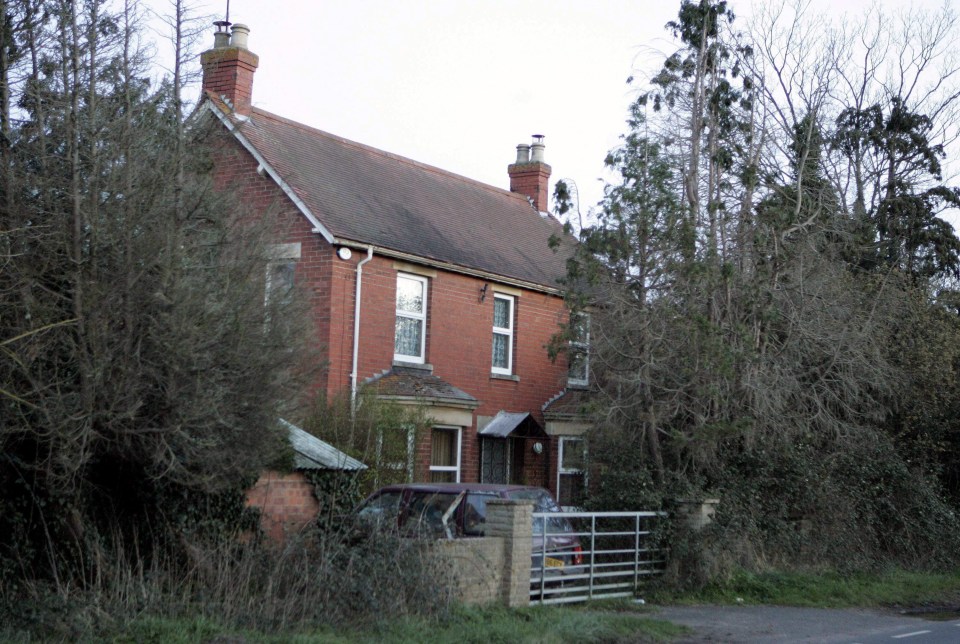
[455, 510]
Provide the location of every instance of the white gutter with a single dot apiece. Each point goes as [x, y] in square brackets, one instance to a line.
[356, 329]
[454, 268]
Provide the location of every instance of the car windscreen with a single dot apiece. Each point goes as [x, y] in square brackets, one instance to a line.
[381, 509]
[543, 502]
[424, 514]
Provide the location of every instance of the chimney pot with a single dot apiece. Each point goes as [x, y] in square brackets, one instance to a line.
[536, 150]
[523, 153]
[221, 39]
[241, 33]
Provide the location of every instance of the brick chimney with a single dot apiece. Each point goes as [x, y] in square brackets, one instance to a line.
[530, 175]
[228, 68]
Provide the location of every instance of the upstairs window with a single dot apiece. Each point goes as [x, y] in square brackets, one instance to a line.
[279, 280]
[502, 334]
[411, 325]
[281, 265]
[279, 286]
[578, 372]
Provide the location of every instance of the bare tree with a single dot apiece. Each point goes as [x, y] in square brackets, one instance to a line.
[733, 312]
[138, 372]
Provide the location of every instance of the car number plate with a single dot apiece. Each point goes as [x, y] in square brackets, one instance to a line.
[551, 562]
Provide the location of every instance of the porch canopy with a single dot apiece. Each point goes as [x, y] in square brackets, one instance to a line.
[513, 425]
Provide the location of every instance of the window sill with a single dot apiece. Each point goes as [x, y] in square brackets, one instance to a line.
[503, 376]
[582, 386]
[413, 365]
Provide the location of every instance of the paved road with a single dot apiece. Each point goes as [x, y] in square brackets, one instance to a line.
[752, 624]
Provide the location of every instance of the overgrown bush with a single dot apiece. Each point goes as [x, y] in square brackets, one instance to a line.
[338, 493]
[860, 508]
[321, 578]
[851, 502]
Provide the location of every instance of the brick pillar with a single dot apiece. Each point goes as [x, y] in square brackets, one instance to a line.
[512, 521]
[530, 176]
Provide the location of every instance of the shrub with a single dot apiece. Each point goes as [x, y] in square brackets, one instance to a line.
[319, 579]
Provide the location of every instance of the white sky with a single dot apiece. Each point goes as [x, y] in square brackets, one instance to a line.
[459, 83]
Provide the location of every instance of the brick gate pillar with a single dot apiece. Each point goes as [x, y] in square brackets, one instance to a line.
[513, 522]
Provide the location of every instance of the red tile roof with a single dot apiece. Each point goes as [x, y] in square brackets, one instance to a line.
[364, 195]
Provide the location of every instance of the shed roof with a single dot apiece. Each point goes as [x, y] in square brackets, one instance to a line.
[311, 453]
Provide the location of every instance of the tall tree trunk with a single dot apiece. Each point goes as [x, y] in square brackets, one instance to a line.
[70, 43]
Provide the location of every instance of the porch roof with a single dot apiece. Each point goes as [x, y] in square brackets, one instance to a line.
[506, 424]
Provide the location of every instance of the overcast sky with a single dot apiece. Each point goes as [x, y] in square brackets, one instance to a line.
[459, 83]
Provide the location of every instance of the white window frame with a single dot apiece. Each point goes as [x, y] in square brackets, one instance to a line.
[448, 468]
[421, 317]
[562, 471]
[508, 332]
[581, 348]
[411, 451]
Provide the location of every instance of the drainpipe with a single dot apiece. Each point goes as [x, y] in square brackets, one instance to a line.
[356, 329]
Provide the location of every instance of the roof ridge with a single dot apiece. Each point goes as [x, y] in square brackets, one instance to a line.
[386, 154]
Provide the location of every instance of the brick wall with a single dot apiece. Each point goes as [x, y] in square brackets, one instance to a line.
[458, 346]
[495, 568]
[236, 174]
[513, 522]
[286, 502]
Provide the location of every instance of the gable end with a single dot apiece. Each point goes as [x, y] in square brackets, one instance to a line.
[265, 165]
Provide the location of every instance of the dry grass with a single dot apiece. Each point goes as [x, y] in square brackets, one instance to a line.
[318, 580]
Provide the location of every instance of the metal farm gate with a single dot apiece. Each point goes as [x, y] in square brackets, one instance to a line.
[615, 553]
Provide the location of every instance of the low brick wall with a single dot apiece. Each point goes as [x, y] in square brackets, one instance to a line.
[476, 568]
[286, 503]
[494, 568]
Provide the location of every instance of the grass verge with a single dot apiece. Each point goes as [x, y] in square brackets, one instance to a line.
[829, 590]
[546, 624]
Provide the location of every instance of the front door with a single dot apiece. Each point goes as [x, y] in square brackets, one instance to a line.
[495, 460]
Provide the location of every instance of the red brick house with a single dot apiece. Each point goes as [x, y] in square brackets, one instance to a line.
[430, 288]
